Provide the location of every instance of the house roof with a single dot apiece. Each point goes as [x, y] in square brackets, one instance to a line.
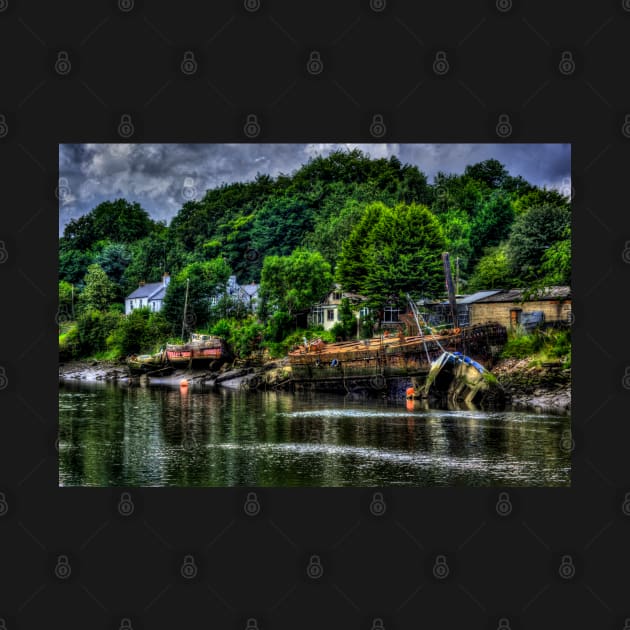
[159, 295]
[146, 290]
[475, 297]
[470, 299]
[516, 295]
[250, 289]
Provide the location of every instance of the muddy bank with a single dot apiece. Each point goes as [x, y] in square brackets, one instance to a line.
[544, 388]
[239, 375]
[93, 370]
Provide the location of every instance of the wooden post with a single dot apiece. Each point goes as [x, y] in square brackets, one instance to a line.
[185, 307]
[449, 287]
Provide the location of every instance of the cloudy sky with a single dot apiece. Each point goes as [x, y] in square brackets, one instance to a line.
[161, 177]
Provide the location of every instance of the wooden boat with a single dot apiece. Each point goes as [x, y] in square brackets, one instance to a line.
[148, 363]
[200, 351]
[393, 356]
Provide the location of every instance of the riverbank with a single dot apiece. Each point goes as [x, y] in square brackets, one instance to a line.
[545, 387]
[528, 386]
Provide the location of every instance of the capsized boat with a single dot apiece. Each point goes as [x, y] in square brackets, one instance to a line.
[458, 378]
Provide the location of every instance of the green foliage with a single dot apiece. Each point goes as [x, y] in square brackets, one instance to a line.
[346, 327]
[205, 279]
[532, 233]
[540, 346]
[244, 336]
[492, 271]
[139, 332]
[65, 297]
[353, 263]
[393, 251]
[294, 283]
[93, 330]
[148, 262]
[99, 291]
[118, 221]
[556, 261]
[376, 222]
[114, 259]
[491, 224]
[72, 265]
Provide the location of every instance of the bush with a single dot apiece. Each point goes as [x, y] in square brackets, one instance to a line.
[141, 331]
[93, 329]
[540, 344]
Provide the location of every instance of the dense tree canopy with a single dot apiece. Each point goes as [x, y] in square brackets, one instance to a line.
[204, 280]
[294, 283]
[376, 226]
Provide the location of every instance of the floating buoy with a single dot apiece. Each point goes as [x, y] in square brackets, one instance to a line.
[183, 383]
[410, 392]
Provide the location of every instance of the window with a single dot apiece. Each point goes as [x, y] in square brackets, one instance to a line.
[390, 315]
[337, 295]
[317, 315]
[330, 314]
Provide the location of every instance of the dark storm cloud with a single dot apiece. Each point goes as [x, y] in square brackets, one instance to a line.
[161, 177]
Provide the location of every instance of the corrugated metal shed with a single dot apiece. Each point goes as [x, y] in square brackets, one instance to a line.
[516, 295]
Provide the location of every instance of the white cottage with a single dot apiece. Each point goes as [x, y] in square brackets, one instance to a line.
[326, 312]
[148, 295]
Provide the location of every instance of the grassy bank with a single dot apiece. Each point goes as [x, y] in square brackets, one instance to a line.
[541, 347]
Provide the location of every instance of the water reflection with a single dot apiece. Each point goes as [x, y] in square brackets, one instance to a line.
[159, 436]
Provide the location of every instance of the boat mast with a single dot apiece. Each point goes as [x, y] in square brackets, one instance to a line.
[185, 307]
[414, 310]
[449, 286]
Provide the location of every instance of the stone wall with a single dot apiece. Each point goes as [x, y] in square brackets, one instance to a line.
[554, 310]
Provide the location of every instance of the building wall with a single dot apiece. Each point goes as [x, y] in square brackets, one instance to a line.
[554, 310]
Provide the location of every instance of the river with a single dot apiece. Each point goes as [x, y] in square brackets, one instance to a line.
[114, 435]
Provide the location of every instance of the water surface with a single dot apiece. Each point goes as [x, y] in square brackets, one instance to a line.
[112, 435]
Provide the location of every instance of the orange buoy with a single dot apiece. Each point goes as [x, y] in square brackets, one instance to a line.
[183, 383]
[410, 392]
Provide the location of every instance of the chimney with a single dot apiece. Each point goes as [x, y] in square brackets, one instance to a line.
[166, 278]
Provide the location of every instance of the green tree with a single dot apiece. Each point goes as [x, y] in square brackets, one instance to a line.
[72, 265]
[66, 298]
[556, 260]
[391, 252]
[405, 256]
[141, 331]
[346, 327]
[205, 281]
[292, 284]
[114, 259]
[492, 271]
[353, 264]
[119, 221]
[491, 224]
[150, 258]
[99, 291]
[93, 330]
[532, 234]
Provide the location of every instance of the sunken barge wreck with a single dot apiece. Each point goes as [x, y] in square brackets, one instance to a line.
[457, 360]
